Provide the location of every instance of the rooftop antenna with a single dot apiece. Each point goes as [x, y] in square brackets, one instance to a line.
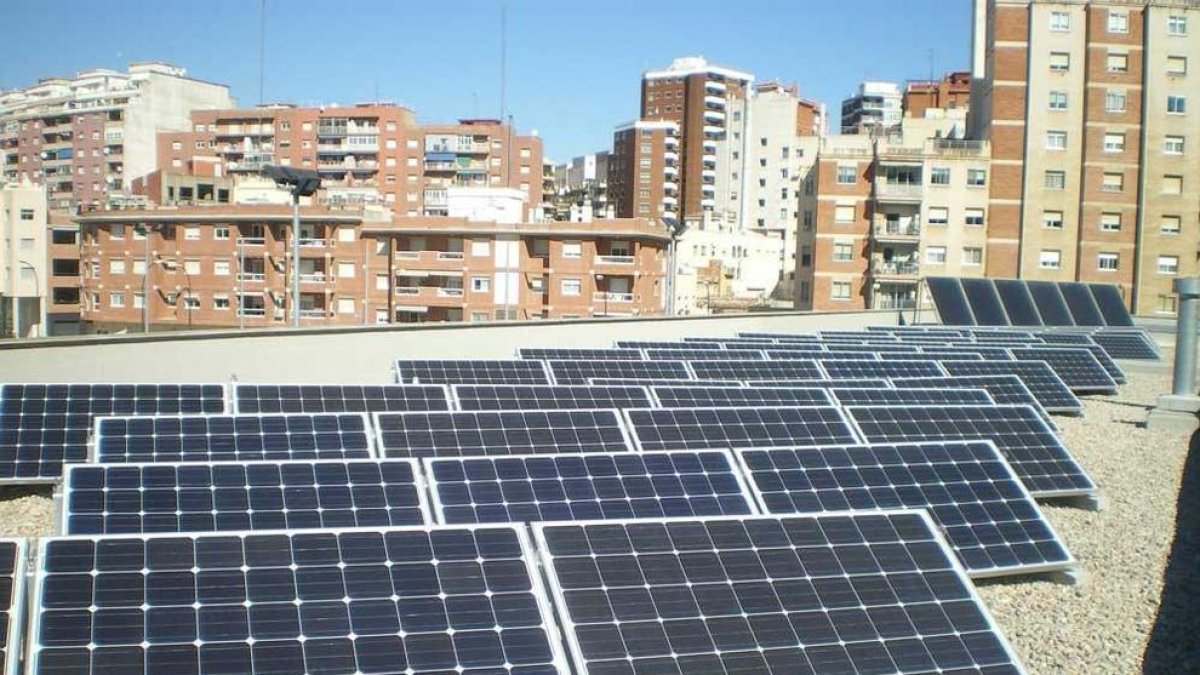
[930, 66]
[503, 59]
[262, 51]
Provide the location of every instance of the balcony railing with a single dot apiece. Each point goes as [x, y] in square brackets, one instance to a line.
[312, 314]
[896, 268]
[899, 191]
[909, 229]
[449, 292]
[253, 241]
[252, 276]
[408, 255]
[408, 290]
[312, 243]
[313, 278]
[612, 297]
[614, 260]
[252, 311]
[888, 302]
[450, 255]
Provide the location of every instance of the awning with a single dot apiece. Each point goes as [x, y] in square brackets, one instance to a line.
[438, 273]
[413, 310]
[440, 157]
[410, 273]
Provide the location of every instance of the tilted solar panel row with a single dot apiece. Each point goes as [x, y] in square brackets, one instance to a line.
[1010, 302]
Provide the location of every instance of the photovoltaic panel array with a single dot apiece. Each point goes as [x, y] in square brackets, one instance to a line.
[1084, 311]
[1040, 378]
[333, 398]
[756, 370]
[1111, 304]
[928, 396]
[1018, 304]
[43, 426]
[402, 600]
[566, 353]
[636, 382]
[889, 368]
[12, 602]
[877, 347]
[1065, 338]
[579, 372]
[1051, 305]
[137, 498]
[952, 306]
[985, 302]
[460, 434]
[548, 397]
[1132, 345]
[1078, 368]
[665, 344]
[1000, 302]
[789, 354]
[851, 593]
[215, 438]
[1036, 454]
[705, 428]
[951, 353]
[736, 397]
[780, 337]
[587, 487]
[988, 517]
[868, 383]
[1004, 389]
[704, 354]
[513, 371]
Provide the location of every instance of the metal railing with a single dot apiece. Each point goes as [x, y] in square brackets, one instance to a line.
[896, 268]
[910, 229]
[614, 260]
[612, 297]
[900, 190]
[449, 292]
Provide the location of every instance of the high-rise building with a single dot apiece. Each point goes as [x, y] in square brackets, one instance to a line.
[23, 286]
[1090, 107]
[85, 138]
[368, 153]
[876, 107]
[644, 170]
[951, 92]
[580, 189]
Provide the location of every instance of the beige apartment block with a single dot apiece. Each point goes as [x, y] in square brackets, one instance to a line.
[1090, 107]
[24, 282]
[230, 266]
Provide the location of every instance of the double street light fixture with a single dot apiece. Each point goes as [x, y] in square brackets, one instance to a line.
[301, 183]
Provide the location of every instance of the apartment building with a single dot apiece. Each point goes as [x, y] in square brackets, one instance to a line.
[366, 154]
[873, 107]
[1090, 107]
[951, 92]
[23, 288]
[85, 138]
[881, 212]
[64, 285]
[230, 266]
[579, 189]
[644, 170]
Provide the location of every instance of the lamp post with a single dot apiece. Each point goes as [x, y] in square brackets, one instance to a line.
[187, 300]
[599, 281]
[301, 183]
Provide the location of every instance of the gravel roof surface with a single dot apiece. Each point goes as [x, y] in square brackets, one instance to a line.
[1110, 621]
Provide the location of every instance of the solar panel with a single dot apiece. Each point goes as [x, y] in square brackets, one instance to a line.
[734, 397]
[566, 353]
[136, 498]
[1004, 389]
[704, 428]
[950, 301]
[459, 434]
[43, 426]
[1084, 310]
[1111, 304]
[663, 344]
[1106, 361]
[1036, 454]
[618, 381]
[12, 602]
[1124, 344]
[512, 371]
[547, 397]
[396, 600]
[732, 340]
[704, 354]
[1050, 303]
[911, 396]
[330, 398]
[862, 353]
[889, 368]
[789, 337]
[1085, 341]
[978, 503]
[986, 353]
[845, 593]
[868, 383]
[1065, 338]
[856, 335]
[997, 334]
[215, 438]
[985, 302]
[756, 370]
[1038, 376]
[1018, 303]
[872, 347]
[1078, 368]
[587, 487]
[578, 372]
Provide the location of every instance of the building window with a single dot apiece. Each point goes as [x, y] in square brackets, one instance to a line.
[1060, 21]
[939, 216]
[974, 217]
[1176, 65]
[1114, 101]
[345, 269]
[572, 249]
[1173, 145]
[139, 300]
[976, 177]
[935, 255]
[26, 214]
[1108, 262]
[117, 300]
[1113, 182]
[221, 233]
[939, 175]
[843, 252]
[481, 249]
[481, 284]
[1058, 100]
[572, 287]
[1118, 63]
[1056, 180]
[191, 302]
[116, 232]
[972, 256]
[1056, 140]
[139, 266]
[1166, 304]
[221, 302]
[1050, 259]
[1169, 225]
[847, 175]
[806, 256]
[1177, 25]
[191, 268]
[1060, 62]
[221, 268]
[191, 233]
[1118, 22]
[116, 267]
[1172, 185]
[839, 290]
[1114, 142]
[1168, 264]
[843, 214]
[1052, 220]
[1176, 105]
[1110, 222]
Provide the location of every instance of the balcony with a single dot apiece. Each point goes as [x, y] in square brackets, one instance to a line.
[313, 278]
[252, 241]
[429, 296]
[361, 145]
[436, 198]
[447, 292]
[708, 174]
[668, 213]
[251, 163]
[313, 313]
[708, 203]
[713, 85]
[670, 185]
[612, 298]
[904, 230]
[670, 200]
[671, 171]
[614, 260]
[900, 192]
[671, 142]
[421, 261]
[332, 149]
[244, 130]
[710, 145]
[252, 312]
[896, 268]
[892, 302]
[715, 115]
[712, 130]
[713, 100]
[671, 156]
[252, 277]
[308, 242]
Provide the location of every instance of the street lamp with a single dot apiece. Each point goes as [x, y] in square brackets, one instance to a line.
[676, 228]
[599, 281]
[301, 183]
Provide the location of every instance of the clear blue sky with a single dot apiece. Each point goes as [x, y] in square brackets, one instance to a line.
[574, 67]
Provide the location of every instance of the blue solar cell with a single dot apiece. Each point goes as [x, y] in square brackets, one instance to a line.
[333, 398]
[704, 428]
[457, 434]
[548, 397]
